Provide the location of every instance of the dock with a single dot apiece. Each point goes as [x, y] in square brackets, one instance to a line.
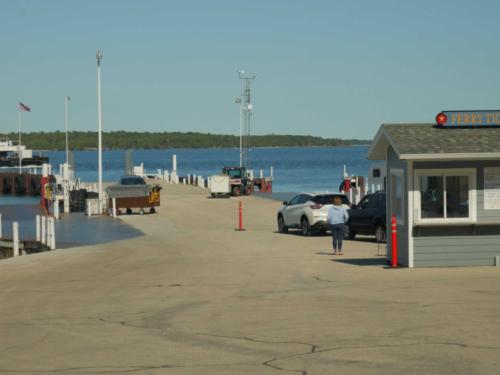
[194, 296]
[20, 184]
[27, 247]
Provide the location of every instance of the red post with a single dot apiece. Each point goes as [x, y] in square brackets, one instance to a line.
[240, 217]
[347, 184]
[394, 260]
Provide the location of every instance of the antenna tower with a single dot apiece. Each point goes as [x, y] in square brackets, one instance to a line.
[246, 109]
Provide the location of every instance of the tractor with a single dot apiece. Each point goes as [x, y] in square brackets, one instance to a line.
[239, 181]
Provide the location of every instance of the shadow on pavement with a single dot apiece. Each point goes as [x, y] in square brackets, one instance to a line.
[77, 229]
[363, 239]
[361, 262]
[74, 229]
[297, 232]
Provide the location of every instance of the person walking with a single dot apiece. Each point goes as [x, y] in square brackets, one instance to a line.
[337, 218]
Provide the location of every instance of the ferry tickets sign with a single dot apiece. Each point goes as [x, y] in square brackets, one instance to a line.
[454, 119]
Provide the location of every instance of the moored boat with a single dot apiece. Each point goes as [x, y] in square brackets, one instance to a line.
[15, 155]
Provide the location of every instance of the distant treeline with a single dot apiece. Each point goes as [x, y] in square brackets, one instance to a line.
[146, 140]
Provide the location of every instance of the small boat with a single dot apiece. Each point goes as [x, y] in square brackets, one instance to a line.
[10, 154]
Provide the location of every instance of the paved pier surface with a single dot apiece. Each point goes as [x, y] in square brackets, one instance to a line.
[193, 296]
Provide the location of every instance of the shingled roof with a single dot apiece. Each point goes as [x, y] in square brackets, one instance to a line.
[425, 141]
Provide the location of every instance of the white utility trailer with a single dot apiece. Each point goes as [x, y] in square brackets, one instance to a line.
[220, 186]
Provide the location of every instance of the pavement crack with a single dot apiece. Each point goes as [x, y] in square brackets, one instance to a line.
[322, 280]
[446, 343]
[110, 369]
[93, 369]
[122, 323]
[313, 348]
[39, 341]
[251, 339]
[268, 364]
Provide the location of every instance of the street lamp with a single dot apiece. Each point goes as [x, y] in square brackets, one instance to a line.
[99, 117]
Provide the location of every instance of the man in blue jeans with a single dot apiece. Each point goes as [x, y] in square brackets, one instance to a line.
[337, 217]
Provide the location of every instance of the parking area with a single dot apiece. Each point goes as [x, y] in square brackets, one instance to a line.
[194, 296]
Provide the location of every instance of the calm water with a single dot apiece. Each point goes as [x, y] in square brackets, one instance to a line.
[295, 169]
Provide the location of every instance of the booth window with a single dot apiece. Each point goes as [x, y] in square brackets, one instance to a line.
[446, 195]
[397, 201]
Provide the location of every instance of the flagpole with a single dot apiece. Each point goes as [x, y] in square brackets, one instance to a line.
[19, 155]
[99, 58]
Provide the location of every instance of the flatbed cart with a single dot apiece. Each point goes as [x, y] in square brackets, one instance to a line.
[128, 198]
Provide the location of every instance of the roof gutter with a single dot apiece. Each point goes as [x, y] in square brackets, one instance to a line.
[452, 156]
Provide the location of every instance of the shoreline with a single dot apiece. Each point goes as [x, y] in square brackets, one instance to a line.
[198, 148]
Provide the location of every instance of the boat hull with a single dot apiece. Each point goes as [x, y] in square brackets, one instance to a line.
[25, 162]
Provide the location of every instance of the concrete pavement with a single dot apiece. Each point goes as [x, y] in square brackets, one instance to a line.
[193, 296]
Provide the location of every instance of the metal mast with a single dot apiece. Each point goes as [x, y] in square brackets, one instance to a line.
[99, 129]
[246, 107]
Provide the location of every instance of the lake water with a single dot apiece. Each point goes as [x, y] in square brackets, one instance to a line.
[295, 169]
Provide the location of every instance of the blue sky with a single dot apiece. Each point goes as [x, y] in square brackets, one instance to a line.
[327, 68]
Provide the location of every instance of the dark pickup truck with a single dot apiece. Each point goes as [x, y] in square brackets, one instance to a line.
[368, 217]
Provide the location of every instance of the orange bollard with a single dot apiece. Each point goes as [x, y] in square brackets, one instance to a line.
[240, 217]
[394, 242]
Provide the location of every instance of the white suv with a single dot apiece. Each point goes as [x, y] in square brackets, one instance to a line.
[308, 212]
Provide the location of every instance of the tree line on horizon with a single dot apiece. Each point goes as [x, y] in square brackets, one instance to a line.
[79, 140]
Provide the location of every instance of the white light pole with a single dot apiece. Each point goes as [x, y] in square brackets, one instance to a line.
[99, 115]
[66, 100]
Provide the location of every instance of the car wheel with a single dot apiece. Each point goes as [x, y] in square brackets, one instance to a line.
[129, 211]
[282, 228]
[347, 232]
[305, 228]
[380, 233]
[236, 191]
[152, 210]
[350, 233]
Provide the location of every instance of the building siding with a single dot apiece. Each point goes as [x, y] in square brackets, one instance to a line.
[456, 251]
[460, 246]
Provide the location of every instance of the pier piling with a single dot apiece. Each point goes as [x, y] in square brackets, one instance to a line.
[52, 242]
[56, 209]
[49, 234]
[43, 238]
[15, 238]
[114, 207]
[37, 234]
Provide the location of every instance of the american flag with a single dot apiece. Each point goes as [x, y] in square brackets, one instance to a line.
[24, 107]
